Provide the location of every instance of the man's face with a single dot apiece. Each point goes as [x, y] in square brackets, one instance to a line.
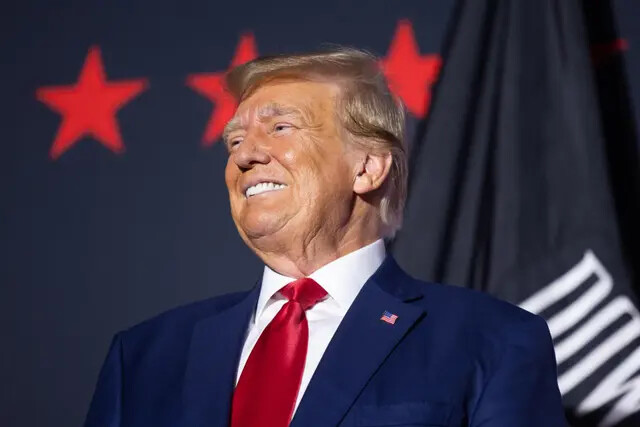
[289, 173]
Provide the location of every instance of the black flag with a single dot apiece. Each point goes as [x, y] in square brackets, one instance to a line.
[510, 193]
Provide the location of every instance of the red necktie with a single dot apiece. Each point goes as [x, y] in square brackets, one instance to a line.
[268, 387]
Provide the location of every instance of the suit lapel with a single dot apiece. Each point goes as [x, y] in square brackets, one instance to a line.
[212, 364]
[359, 346]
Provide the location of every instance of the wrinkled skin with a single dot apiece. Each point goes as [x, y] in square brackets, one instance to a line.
[287, 132]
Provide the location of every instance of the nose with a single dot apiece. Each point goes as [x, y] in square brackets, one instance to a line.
[250, 153]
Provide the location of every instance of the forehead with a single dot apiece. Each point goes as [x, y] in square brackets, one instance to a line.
[309, 98]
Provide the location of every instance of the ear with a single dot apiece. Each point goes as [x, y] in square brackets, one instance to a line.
[372, 173]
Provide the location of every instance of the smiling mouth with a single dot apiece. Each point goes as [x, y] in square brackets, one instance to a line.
[263, 187]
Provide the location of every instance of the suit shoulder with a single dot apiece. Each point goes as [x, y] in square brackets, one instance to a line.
[489, 325]
[479, 308]
[456, 304]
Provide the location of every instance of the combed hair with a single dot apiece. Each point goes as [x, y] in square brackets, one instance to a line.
[372, 116]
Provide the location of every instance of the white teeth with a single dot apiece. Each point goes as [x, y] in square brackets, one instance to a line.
[263, 187]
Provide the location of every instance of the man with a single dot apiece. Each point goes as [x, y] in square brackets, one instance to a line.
[335, 333]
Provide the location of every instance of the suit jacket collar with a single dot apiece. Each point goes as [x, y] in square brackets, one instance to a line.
[212, 363]
[361, 343]
[393, 280]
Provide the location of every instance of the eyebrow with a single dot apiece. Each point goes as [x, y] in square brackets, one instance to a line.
[267, 112]
[276, 110]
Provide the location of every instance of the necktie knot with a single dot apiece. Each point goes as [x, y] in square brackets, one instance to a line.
[306, 292]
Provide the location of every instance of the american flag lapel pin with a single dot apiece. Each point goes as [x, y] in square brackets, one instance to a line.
[389, 317]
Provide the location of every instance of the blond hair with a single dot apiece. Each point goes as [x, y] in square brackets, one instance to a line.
[370, 114]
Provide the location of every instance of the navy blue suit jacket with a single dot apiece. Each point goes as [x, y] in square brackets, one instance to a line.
[453, 357]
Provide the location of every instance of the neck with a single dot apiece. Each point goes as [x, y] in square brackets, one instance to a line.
[297, 255]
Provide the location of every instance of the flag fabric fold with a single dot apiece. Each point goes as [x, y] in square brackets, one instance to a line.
[510, 194]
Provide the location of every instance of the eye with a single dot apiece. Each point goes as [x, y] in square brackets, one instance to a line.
[233, 143]
[282, 127]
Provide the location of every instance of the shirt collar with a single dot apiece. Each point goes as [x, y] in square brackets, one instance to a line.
[342, 278]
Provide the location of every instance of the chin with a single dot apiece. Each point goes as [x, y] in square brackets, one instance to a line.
[262, 224]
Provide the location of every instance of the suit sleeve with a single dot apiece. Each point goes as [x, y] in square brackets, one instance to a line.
[106, 406]
[523, 388]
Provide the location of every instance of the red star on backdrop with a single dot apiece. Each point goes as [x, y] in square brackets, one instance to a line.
[211, 85]
[410, 75]
[89, 107]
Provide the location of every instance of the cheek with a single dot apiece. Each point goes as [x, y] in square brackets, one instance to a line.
[289, 157]
[303, 165]
[230, 173]
[314, 168]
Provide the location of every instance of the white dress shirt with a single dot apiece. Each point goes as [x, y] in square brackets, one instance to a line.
[342, 279]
